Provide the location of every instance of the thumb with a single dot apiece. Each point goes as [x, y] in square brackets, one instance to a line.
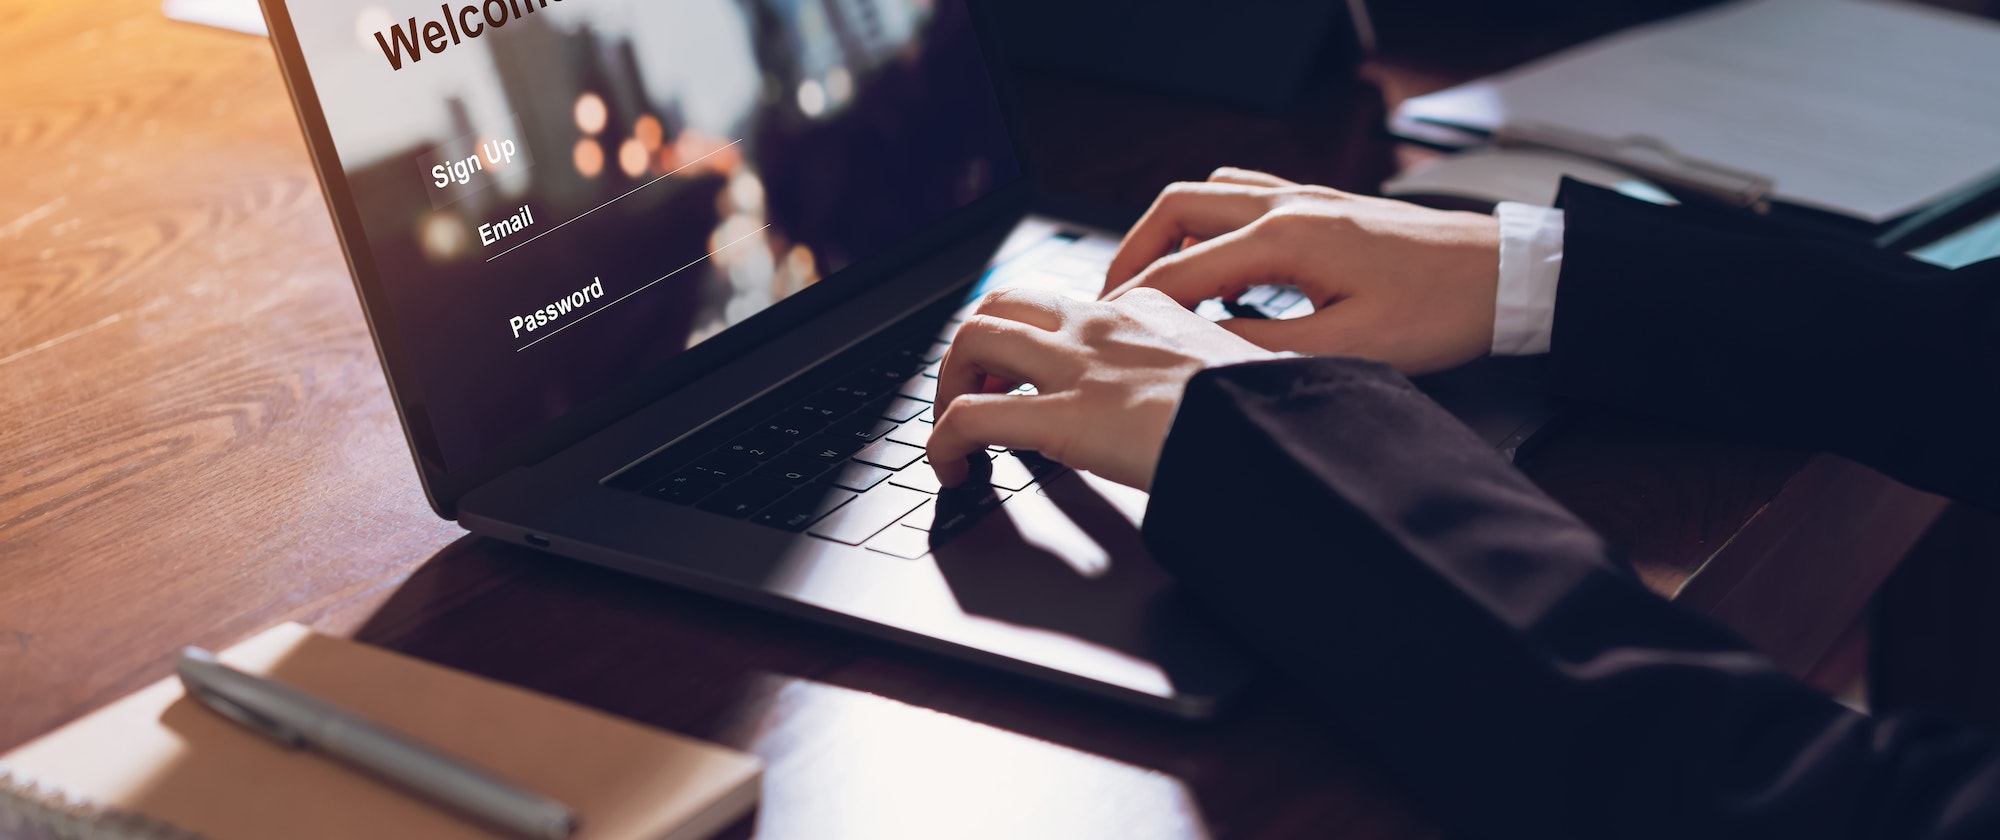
[1329, 331]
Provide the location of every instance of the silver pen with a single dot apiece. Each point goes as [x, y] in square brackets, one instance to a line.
[297, 719]
[1649, 157]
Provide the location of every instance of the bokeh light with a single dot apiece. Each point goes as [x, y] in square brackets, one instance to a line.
[839, 85]
[632, 157]
[649, 133]
[443, 236]
[589, 158]
[370, 20]
[812, 98]
[591, 114]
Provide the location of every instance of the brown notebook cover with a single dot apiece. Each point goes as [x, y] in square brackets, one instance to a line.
[160, 755]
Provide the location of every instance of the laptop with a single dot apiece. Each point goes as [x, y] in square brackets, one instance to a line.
[664, 287]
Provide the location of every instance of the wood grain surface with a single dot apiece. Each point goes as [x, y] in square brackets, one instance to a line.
[196, 442]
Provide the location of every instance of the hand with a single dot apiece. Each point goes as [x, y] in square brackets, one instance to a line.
[1108, 376]
[1392, 281]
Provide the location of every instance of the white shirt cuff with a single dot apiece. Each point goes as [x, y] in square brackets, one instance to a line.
[1531, 253]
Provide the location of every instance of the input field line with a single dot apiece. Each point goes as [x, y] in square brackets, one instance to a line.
[663, 277]
[628, 194]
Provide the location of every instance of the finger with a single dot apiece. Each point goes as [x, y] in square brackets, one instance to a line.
[1248, 178]
[1010, 351]
[976, 421]
[1355, 329]
[1225, 266]
[1035, 307]
[1184, 210]
[1293, 334]
[1339, 329]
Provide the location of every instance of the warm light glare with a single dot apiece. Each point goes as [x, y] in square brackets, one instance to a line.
[839, 84]
[370, 20]
[799, 261]
[632, 158]
[812, 98]
[589, 158]
[649, 133]
[591, 114]
[442, 236]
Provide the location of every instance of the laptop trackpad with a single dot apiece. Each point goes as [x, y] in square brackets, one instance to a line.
[1069, 558]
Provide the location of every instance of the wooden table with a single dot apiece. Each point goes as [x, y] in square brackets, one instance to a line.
[196, 443]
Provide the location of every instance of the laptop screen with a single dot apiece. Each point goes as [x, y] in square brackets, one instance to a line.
[560, 194]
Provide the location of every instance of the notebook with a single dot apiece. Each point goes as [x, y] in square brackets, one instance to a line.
[158, 765]
[1862, 108]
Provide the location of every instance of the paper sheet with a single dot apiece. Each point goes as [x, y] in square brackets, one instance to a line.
[239, 15]
[1978, 242]
[1870, 109]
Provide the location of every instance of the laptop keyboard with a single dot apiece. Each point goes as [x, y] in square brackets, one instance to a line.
[842, 456]
[846, 462]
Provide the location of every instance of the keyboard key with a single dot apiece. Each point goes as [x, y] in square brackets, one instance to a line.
[861, 428]
[898, 541]
[1257, 295]
[1010, 474]
[879, 374]
[813, 419]
[836, 398]
[914, 434]
[829, 413]
[935, 352]
[901, 409]
[920, 478]
[1038, 463]
[724, 464]
[889, 454]
[793, 469]
[868, 385]
[929, 416]
[976, 466]
[920, 518]
[831, 450]
[759, 444]
[959, 507]
[745, 496]
[790, 428]
[685, 487]
[1299, 309]
[862, 518]
[1282, 301]
[933, 369]
[920, 388]
[899, 364]
[1228, 309]
[857, 477]
[803, 507]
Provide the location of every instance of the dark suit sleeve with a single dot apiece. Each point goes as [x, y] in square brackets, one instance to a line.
[1813, 344]
[1472, 632]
